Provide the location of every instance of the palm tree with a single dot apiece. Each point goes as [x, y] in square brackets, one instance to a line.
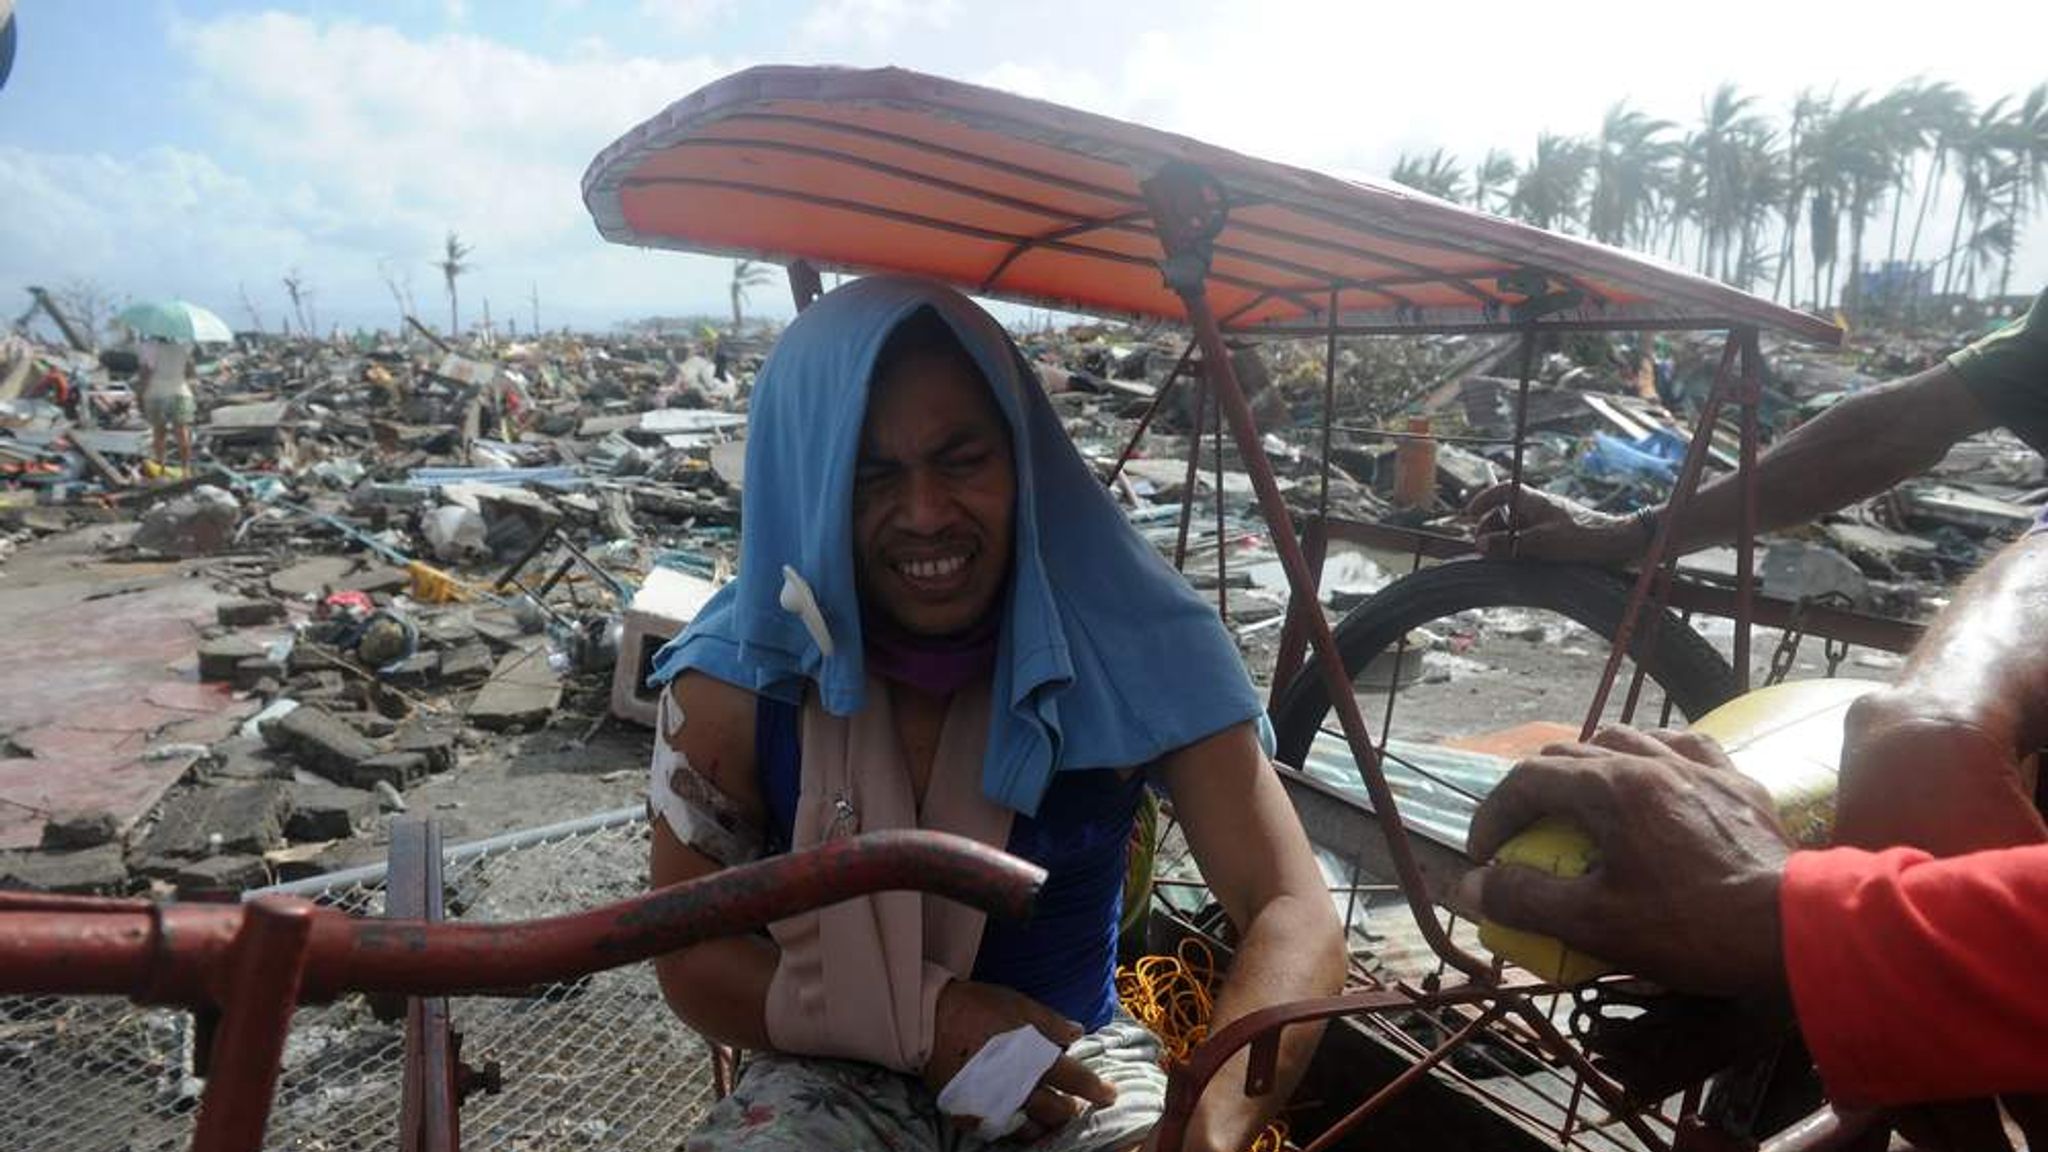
[295, 288]
[1807, 110]
[1684, 198]
[1911, 134]
[1975, 156]
[451, 264]
[1718, 150]
[1550, 189]
[1945, 114]
[1867, 142]
[2024, 137]
[1438, 175]
[1762, 174]
[1632, 173]
[746, 274]
[1493, 181]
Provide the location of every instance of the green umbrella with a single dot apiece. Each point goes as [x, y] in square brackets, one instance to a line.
[178, 320]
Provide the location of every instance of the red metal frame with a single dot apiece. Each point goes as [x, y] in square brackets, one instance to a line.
[1187, 210]
[429, 1113]
[256, 962]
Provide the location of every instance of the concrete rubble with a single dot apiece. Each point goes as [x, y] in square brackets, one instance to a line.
[403, 563]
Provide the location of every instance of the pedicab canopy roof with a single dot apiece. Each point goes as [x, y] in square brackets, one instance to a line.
[895, 171]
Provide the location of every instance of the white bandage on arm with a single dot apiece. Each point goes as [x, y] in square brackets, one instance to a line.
[992, 1086]
[695, 810]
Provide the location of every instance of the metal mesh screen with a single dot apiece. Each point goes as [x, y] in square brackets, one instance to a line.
[597, 1063]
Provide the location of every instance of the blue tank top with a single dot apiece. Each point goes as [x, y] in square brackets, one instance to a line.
[1064, 956]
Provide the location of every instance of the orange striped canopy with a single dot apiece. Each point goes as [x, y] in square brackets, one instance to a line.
[888, 170]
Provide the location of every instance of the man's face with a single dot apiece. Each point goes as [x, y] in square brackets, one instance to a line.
[933, 495]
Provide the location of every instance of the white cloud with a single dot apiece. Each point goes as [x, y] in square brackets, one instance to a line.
[685, 16]
[141, 225]
[871, 24]
[355, 143]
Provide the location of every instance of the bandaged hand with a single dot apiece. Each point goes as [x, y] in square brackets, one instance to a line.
[969, 1016]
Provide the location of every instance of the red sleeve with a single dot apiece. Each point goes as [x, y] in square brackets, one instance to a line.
[1917, 978]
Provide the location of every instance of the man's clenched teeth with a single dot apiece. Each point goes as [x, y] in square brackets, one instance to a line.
[932, 569]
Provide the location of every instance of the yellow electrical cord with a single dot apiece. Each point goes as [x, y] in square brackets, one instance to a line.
[1170, 995]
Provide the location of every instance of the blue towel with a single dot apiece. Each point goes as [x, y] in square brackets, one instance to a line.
[1107, 658]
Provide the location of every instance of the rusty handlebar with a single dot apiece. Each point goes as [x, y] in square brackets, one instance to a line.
[181, 953]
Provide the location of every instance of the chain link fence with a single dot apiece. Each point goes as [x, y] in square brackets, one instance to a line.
[594, 1063]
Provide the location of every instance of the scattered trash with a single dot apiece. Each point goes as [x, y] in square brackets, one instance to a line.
[425, 547]
[198, 523]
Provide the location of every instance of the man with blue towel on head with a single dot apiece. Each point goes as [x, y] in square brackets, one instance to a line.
[942, 621]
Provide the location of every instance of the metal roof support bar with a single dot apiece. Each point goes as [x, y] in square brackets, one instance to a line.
[1189, 213]
[1664, 545]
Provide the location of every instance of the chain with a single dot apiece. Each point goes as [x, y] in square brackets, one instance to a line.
[1787, 651]
[1837, 651]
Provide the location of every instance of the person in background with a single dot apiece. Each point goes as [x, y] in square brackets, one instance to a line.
[167, 374]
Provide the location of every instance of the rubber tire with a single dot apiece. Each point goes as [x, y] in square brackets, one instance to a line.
[1688, 668]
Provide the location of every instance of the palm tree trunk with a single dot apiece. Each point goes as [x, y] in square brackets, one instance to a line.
[1926, 201]
[1927, 196]
[454, 329]
[2012, 217]
[1790, 264]
[1955, 242]
[1891, 251]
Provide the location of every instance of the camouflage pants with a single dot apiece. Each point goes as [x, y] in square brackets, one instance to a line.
[800, 1103]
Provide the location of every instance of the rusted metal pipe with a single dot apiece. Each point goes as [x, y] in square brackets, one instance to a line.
[1180, 368]
[1187, 484]
[259, 986]
[1261, 1030]
[1400, 1084]
[174, 953]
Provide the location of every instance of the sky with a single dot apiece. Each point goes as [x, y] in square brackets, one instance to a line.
[209, 148]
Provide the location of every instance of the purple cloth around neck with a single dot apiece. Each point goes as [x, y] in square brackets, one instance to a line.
[937, 666]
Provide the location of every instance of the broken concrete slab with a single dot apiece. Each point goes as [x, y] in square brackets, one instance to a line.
[501, 628]
[466, 665]
[242, 758]
[321, 741]
[397, 769]
[1795, 570]
[69, 831]
[89, 871]
[322, 811]
[523, 691]
[415, 671]
[338, 574]
[431, 737]
[221, 657]
[245, 818]
[217, 875]
[249, 613]
[255, 670]
[311, 577]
